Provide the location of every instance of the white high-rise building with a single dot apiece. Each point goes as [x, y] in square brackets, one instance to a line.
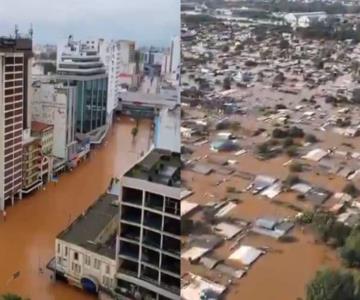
[126, 66]
[122, 68]
[170, 68]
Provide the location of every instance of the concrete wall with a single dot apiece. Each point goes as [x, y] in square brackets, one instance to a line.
[50, 106]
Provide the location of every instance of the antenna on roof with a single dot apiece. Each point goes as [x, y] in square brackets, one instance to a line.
[70, 40]
[31, 31]
[16, 31]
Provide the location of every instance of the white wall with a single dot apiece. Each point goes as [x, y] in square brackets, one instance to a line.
[49, 106]
[85, 270]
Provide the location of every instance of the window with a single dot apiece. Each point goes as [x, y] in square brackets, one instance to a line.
[97, 264]
[107, 269]
[75, 268]
[59, 260]
[66, 251]
[87, 260]
[58, 248]
[107, 281]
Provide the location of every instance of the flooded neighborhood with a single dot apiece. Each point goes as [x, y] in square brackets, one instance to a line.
[180, 150]
[270, 139]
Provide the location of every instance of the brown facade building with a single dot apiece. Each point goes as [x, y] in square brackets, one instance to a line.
[15, 79]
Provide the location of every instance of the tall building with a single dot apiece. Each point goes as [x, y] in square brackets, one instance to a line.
[121, 62]
[79, 65]
[55, 104]
[171, 61]
[15, 81]
[148, 242]
[126, 64]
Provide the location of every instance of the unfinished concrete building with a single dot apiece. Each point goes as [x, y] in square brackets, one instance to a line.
[148, 242]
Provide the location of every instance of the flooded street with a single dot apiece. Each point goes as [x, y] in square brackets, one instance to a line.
[27, 237]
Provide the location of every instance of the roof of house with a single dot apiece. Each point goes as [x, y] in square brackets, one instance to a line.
[86, 229]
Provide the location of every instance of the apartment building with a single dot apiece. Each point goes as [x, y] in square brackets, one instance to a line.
[32, 162]
[123, 67]
[170, 67]
[126, 64]
[15, 79]
[45, 132]
[85, 251]
[148, 241]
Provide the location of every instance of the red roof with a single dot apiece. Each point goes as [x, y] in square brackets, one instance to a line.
[40, 127]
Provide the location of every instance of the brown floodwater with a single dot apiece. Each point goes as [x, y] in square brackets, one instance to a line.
[27, 236]
[283, 272]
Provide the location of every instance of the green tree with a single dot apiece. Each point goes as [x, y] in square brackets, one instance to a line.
[263, 148]
[331, 285]
[322, 224]
[329, 230]
[288, 142]
[292, 151]
[350, 253]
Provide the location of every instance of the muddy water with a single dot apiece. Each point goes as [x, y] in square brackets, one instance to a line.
[28, 235]
[284, 271]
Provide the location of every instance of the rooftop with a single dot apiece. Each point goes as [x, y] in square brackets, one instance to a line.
[86, 230]
[159, 166]
[168, 98]
[19, 44]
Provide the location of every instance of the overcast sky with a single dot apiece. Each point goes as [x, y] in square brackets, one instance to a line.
[149, 22]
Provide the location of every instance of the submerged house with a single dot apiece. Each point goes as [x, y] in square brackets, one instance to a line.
[224, 141]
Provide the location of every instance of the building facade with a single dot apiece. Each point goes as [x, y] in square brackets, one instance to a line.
[85, 251]
[45, 132]
[15, 77]
[79, 65]
[170, 67]
[55, 104]
[32, 163]
[148, 242]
